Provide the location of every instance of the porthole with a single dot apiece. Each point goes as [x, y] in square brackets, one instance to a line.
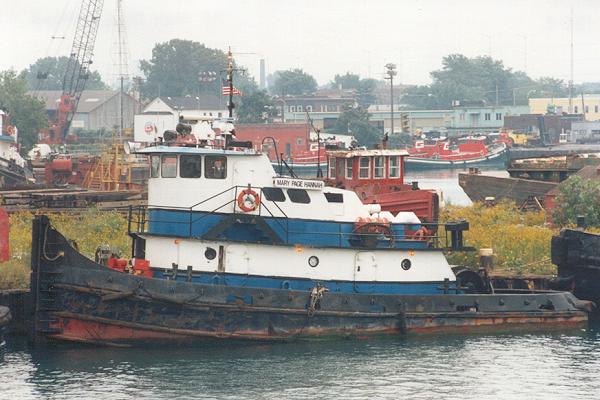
[406, 264]
[210, 253]
[313, 261]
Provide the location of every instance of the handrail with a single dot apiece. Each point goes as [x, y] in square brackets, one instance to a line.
[432, 236]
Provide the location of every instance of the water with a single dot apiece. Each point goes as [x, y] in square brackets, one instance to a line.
[446, 180]
[543, 366]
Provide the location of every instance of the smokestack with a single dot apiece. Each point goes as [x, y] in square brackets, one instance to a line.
[262, 74]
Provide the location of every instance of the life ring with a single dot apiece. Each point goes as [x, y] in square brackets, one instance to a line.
[421, 234]
[10, 130]
[248, 200]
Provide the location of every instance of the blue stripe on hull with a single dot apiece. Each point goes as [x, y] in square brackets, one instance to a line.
[291, 231]
[405, 288]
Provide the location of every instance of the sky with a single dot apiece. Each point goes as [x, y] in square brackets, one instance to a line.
[323, 37]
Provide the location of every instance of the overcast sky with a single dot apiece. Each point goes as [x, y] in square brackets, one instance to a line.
[324, 37]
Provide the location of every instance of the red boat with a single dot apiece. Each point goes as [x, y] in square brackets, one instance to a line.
[377, 176]
[441, 152]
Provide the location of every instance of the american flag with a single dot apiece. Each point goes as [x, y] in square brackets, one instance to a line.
[227, 90]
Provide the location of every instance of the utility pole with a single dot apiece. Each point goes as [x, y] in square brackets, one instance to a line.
[571, 80]
[391, 72]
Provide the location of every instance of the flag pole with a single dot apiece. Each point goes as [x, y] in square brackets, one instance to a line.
[230, 105]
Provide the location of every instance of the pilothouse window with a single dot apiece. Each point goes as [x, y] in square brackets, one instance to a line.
[349, 167]
[394, 171]
[154, 166]
[332, 167]
[215, 167]
[364, 168]
[169, 166]
[190, 166]
[378, 167]
[298, 196]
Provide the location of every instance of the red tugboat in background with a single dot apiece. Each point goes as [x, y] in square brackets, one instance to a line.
[377, 176]
[443, 153]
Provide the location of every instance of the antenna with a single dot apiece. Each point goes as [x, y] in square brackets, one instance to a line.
[318, 132]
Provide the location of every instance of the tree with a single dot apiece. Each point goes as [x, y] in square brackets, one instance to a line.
[354, 120]
[577, 196]
[292, 82]
[365, 92]
[255, 107]
[549, 87]
[480, 78]
[364, 88]
[347, 81]
[26, 113]
[48, 74]
[175, 68]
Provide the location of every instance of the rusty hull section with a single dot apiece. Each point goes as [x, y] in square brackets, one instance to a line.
[76, 299]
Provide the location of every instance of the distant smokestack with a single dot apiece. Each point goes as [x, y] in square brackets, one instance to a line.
[262, 74]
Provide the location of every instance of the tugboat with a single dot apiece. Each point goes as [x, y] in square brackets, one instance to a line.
[441, 153]
[228, 249]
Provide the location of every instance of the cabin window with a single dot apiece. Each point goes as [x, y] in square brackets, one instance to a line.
[190, 166]
[298, 196]
[378, 167]
[215, 167]
[394, 167]
[154, 166]
[169, 166]
[349, 167]
[273, 194]
[334, 197]
[332, 167]
[364, 168]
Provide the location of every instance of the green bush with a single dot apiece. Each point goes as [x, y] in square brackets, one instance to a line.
[577, 196]
[520, 240]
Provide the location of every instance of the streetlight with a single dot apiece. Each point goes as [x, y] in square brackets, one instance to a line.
[391, 72]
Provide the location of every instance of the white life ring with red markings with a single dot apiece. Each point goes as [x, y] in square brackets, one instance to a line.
[10, 130]
[248, 200]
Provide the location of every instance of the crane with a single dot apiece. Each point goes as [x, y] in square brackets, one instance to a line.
[77, 72]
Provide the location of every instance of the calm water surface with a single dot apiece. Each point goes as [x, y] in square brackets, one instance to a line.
[532, 366]
[446, 180]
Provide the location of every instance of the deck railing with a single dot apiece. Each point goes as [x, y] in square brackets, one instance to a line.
[375, 235]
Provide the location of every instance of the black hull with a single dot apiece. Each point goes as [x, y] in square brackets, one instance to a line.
[577, 256]
[4, 321]
[76, 299]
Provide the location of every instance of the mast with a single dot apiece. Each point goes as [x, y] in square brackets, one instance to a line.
[230, 105]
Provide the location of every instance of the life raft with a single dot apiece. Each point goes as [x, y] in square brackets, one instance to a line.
[248, 200]
[369, 230]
